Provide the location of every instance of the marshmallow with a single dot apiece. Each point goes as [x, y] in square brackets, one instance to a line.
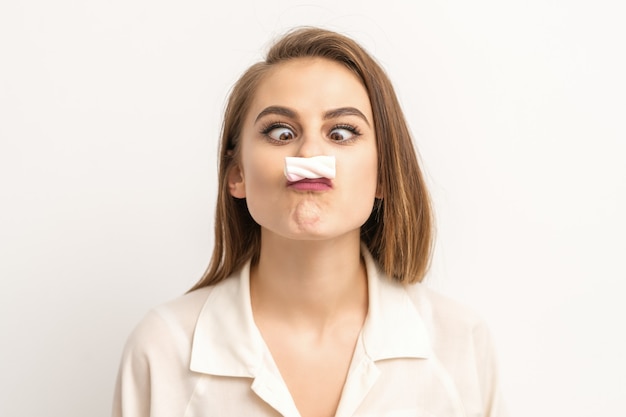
[297, 169]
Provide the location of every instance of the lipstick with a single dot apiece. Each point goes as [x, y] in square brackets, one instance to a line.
[311, 184]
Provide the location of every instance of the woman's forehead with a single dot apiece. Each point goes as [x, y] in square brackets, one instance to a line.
[310, 85]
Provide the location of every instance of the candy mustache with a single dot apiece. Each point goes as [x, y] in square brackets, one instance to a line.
[297, 168]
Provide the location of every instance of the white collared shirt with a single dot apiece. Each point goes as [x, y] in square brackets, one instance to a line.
[201, 355]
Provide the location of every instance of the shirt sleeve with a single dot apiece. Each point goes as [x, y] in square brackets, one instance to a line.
[487, 372]
[132, 389]
[462, 341]
[154, 379]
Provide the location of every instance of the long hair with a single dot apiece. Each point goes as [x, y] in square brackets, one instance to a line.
[398, 232]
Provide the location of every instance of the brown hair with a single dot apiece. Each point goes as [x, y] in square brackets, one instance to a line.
[398, 233]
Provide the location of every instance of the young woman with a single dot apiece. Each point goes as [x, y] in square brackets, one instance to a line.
[312, 303]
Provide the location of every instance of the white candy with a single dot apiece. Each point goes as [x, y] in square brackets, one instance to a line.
[297, 169]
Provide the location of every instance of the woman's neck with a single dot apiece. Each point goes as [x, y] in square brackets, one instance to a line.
[309, 283]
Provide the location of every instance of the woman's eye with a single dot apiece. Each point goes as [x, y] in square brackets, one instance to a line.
[342, 134]
[280, 133]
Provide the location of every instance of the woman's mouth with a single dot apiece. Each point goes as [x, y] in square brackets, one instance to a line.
[311, 184]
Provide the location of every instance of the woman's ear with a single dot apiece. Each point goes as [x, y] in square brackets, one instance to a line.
[236, 182]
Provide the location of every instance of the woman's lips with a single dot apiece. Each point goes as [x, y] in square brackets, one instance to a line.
[311, 184]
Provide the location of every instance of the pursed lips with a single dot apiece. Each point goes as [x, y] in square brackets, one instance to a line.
[311, 184]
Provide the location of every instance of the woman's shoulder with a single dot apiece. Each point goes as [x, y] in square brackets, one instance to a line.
[154, 367]
[449, 321]
[170, 323]
[438, 306]
[462, 342]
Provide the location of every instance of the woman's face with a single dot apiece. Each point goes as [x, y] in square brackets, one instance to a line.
[308, 107]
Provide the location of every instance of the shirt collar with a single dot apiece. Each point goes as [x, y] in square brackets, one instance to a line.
[394, 327]
[227, 342]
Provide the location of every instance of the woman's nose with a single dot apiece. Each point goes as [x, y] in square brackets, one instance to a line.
[311, 144]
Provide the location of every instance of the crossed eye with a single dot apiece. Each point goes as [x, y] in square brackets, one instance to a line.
[281, 133]
[337, 134]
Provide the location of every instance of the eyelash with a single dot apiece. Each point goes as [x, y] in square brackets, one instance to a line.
[267, 128]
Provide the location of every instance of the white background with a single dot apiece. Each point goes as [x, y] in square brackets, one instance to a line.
[109, 119]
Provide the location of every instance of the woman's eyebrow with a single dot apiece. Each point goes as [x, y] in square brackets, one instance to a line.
[331, 114]
[279, 110]
[345, 111]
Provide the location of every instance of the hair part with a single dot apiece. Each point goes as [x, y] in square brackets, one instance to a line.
[398, 233]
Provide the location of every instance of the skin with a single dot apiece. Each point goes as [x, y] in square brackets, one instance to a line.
[309, 88]
[309, 289]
